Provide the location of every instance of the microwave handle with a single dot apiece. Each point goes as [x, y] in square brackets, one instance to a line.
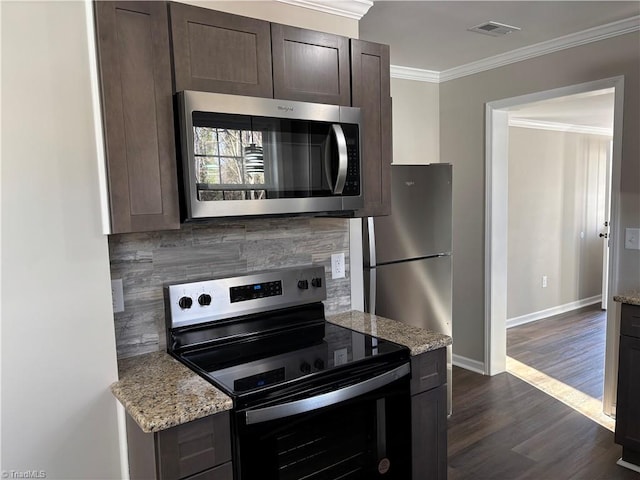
[341, 142]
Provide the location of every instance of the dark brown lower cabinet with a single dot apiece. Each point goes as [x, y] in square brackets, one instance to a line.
[200, 449]
[429, 415]
[628, 399]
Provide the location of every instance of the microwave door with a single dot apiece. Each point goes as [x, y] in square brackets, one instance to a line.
[335, 159]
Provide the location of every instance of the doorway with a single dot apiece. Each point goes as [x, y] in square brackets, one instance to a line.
[497, 141]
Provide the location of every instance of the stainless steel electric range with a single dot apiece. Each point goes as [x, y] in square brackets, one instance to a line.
[312, 400]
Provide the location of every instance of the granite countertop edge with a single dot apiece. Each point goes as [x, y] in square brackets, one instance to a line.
[418, 340]
[159, 392]
[632, 297]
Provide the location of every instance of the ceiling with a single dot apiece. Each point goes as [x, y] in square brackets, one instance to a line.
[433, 35]
[590, 109]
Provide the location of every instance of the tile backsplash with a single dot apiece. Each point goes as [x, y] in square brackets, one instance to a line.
[146, 261]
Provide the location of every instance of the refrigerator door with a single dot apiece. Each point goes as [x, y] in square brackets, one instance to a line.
[416, 292]
[420, 220]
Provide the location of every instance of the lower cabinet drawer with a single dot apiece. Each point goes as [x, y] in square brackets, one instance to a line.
[428, 370]
[630, 320]
[194, 447]
[221, 472]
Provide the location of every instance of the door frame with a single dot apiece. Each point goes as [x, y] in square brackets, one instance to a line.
[496, 191]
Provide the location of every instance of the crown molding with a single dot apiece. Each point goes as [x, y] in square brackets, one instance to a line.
[417, 74]
[602, 32]
[628, 25]
[559, 127]
[354, 9]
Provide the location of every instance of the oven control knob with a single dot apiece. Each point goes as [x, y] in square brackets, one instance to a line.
[319, 364]
[185, 302]
[303, 284]
[305, 368]
[316, 282]
[204, 300]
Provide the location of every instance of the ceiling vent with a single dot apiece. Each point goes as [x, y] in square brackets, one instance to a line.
[494, 29]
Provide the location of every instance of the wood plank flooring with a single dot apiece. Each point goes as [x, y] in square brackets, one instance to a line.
[504, 428]
[568, 347]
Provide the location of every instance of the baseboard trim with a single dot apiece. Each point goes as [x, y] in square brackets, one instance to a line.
[550, 312]
[628, 465]
[468, 364]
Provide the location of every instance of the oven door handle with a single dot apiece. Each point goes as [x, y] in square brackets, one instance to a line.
[275, 412]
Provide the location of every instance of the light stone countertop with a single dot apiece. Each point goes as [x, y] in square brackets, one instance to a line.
[632, 297]
[417, 339]
[159, 392]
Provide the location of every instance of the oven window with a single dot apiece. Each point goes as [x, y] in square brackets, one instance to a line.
[366, 438]
[229, 159]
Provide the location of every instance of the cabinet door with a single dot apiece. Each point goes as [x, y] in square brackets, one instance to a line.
[429, 434]
[370, 90]
[310, 66]
[135, 71]
[628, 399]
[220, 52]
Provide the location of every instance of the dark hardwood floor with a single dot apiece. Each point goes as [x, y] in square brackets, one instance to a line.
[568, 347]
[504, 428]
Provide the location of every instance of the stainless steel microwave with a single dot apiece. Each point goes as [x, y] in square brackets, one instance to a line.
[260, 156]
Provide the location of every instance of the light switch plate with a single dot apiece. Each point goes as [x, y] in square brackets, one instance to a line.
[632, 239]
[117, 295]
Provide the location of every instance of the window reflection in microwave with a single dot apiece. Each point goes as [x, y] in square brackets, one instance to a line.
[229, 163]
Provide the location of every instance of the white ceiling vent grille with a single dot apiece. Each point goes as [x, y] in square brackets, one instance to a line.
[494, 29]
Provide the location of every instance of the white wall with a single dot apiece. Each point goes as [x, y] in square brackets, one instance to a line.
[58, 345]
[462, 129]
[416, 122]
[556, 211]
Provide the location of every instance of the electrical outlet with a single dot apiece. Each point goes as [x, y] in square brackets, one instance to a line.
[337, 265]
[544, 281]
[117, 295]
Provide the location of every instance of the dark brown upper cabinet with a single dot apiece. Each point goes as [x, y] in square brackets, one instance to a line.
[370, 90]
[220, 52]
[310, 66]
[135, 73]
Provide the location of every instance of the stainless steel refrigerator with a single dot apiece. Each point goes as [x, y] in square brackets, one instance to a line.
[407, 255]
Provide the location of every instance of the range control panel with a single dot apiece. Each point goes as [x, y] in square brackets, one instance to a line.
[255, 290]
[221, 298]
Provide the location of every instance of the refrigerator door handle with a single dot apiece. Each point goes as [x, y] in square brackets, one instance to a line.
[372, 291]
[371, 234]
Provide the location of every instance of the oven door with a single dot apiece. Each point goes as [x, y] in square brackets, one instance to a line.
[356, 431]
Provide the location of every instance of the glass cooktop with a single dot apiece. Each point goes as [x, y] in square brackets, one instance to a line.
[260, 363]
